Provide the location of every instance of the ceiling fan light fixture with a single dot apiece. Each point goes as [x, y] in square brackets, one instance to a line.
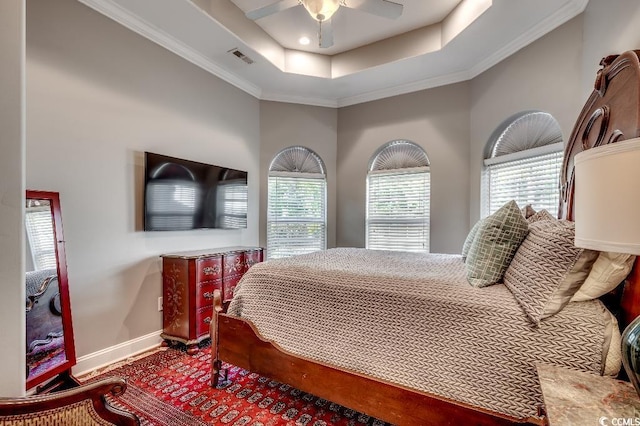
[321, 10]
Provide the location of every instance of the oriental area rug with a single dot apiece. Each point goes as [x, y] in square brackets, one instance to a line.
[170, 387]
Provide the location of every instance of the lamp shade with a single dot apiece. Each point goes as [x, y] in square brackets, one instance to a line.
[321, 10]
[607, 197]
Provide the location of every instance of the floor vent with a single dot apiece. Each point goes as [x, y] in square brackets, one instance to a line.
[241, 55]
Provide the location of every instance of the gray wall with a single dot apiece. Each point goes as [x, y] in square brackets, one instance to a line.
[12, 138]
[610, 27]
[543, 76]
[438, 121]
[98, 96]
[309, 126]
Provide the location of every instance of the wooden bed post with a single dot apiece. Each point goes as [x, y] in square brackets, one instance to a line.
[216, 363]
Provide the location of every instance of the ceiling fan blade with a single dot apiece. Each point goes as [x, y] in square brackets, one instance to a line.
[270, 9]
[383, 8]
[326, 34]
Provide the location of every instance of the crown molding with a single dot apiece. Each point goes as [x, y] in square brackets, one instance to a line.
[403, 89]
[158, 36]
[304, 100]
[568, 11]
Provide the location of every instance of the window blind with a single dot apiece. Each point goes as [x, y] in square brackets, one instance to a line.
[233, 203]
[296, 214]
[534, 180]
[39, 228]
[398, 205]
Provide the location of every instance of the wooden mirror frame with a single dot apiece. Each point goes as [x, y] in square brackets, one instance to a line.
[63, 371]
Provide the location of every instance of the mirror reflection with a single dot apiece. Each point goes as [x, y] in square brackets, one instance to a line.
[45, 338]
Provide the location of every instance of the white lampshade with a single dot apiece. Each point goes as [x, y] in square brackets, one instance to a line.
[607, 197]
[321, 10]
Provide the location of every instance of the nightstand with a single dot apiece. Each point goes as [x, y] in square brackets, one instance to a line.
[577, 398]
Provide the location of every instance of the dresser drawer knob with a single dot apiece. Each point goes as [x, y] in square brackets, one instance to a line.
[207, 320]
[208, 295]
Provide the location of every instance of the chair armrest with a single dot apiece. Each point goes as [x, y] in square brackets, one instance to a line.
[87, 401]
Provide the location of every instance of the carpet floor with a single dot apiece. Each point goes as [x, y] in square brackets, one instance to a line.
[170, 387]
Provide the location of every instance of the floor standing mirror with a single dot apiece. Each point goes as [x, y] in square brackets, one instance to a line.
[50, 347]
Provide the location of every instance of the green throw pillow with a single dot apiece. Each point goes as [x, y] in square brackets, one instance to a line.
[496, 241]
[470, 237]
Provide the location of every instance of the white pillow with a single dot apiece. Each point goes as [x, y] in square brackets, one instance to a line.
[607, 272]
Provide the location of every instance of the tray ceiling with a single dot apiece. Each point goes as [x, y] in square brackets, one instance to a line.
[433, 43]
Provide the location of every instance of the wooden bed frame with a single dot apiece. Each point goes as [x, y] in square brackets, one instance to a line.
[611, 114]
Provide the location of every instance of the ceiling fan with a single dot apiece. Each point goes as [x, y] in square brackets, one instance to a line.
[323, 10]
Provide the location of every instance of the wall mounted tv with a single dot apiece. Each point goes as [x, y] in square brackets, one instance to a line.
[181, 195]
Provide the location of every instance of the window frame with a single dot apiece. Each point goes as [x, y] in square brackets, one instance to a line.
[310, 174]
[399, 156]
[529, 154]
[522, 137]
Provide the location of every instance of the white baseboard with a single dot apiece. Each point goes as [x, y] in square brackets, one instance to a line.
[104, 357]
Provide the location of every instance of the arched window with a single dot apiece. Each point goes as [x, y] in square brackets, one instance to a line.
[398, 198]
[523, 162]
[296, 210]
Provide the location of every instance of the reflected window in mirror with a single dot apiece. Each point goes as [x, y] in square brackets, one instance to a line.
[41, 249]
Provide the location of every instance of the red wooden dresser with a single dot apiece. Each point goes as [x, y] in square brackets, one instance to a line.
[188, 282]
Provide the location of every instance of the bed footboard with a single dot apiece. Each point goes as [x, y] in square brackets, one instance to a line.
[238, 342]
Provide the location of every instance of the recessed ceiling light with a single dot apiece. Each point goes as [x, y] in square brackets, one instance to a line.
[304, 40]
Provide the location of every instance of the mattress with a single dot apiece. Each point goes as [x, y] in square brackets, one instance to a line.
[412, 319]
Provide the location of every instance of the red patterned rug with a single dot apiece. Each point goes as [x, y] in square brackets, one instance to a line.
[172, 388]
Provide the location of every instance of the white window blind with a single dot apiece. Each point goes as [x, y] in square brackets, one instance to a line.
[296, 214]
[398, 205]
[232, 204]
[533, 180]
[39, 228]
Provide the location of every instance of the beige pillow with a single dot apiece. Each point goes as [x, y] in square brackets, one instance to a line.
[548, 268]
[611, 347]
[540, 215]
[527, 211]
[608, 271]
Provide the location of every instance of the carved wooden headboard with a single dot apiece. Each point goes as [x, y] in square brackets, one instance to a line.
[611, 114]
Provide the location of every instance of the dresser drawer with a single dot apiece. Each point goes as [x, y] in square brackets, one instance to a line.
[251, 258]
[228, 288]
[233, 268]
[205, 291]
[203, 319]
[233, 264]
[209, 269]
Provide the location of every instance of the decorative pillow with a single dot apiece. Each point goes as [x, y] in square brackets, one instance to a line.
[540, 215]
[608, 271]
[612, 347]
[548, 269]
[494, 245]
[470, 237]
[527, 211]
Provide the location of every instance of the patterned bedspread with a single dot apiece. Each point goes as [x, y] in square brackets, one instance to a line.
[412, 319]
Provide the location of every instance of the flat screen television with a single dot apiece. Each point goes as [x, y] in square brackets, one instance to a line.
[181, 195]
